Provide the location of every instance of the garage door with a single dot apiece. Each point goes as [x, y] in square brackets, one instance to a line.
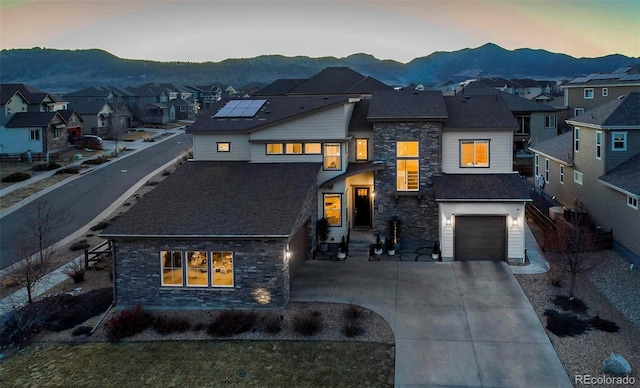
[480, 238]
[299, 246]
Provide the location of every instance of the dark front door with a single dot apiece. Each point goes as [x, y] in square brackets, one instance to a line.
[362, 207]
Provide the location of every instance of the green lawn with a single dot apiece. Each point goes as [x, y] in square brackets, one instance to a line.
[202, 364]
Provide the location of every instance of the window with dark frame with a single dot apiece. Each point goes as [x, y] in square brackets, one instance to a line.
[474, 153]
[598, 144]
[333, 209]
[362, 149]
[332, 159]
[224, 147]
[407, 166]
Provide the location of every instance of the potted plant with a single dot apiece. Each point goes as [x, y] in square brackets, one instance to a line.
[378, 246]
[394, 232]
[342, 250]
[391, 248]
[435, 254]
[323, 227]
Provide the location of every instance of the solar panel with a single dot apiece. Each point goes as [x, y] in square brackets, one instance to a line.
[240, 108]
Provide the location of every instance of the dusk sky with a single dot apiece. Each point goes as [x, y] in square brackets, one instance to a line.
[213, 30]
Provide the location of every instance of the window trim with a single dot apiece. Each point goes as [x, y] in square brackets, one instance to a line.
[34, 134]
[324, 206]
[588, 93]
[212, 269]
[172, 268]
[632, 202]
[404, 159]
[206, 265]
[266, 149]
[325, 156]
[550, 121]
[613, 141]
[578, 111]
[536, 164]
[475, 142]
[286, 146]
[599, 145]
[562, 174]
[220, 146]
[366, 149]
[578, 177]
[605, 92]
[306, 152]
[546, 170]
[576, 139]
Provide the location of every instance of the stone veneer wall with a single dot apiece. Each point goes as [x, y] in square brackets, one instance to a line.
[259, 270]
[418, 214]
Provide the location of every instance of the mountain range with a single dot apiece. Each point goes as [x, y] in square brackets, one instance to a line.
[66, 70]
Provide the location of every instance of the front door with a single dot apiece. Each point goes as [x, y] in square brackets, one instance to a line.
[362, 207]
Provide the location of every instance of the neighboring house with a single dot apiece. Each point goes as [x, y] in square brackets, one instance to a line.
[29, 121]
[205, 96]
[94, 113]
[585, 93]
[74, 123]
[184, 110]
[596, 168]
[338, 145]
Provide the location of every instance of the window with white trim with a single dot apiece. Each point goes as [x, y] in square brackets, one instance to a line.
[193, 269]
[537, 165]
[578, 111]
[407, 166]
[222, 269]
[546, 170]
[34, 135]
[56, 133]
[332, 159]
[197, 269]
[171, 262]
[632, 202]
[588, 93]
[576, 139]
[605, 92]
[578, 177]
[550, 121]
[618, 141]
[598, 144]
[562, 174]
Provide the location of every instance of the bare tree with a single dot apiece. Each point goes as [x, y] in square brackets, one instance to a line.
[117, 123]
[571, 249]
[36, 247]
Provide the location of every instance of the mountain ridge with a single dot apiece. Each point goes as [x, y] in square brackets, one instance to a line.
[53, 69]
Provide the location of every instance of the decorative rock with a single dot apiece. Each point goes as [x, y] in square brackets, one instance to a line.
[616, 365]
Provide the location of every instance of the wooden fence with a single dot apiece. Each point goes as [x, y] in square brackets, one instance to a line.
[99, 252]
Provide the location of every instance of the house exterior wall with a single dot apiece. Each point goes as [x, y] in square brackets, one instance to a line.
[417, 210]
[574, 95]
[539, 132]
[511, 211]
[614, 158]
[355, 135]
[17, 140]
[260, 274]
[205, 147]
[16, 104]
[500, 151]
[328, 124]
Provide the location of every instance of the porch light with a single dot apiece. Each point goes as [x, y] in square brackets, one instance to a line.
[448, 222]
[287, 253]
[373, 194]
[515, 222]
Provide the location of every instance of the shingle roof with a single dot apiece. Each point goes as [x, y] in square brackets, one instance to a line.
[515, 103]
[559, 148]
[481, 187]
[486, 112]
[625, 176]
[31, 119]
[276, 109]
[620, 112]
[626, 75]
[359, 116]
[338, 80]
[83, 105]
[407, 105]
[222, 199]
[31, 94]
[279, 87]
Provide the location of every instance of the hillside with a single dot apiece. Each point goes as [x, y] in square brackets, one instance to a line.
[65, 70]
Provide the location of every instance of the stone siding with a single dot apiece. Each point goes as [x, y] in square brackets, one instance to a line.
[261, 277]
[418, 211]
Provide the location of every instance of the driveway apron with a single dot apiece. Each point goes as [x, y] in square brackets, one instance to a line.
[463, 324]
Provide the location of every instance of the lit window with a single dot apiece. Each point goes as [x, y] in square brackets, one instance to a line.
[588, 93]
[224, 147]
[274, 149]
[550, 121]
[546, 170]
[34, 135]
[577, 177]
[537, 165]
[562, 174]
[332, 156]
[578, 111]
[312, 148]
[632, 202]
[197, 269]
[605, 92]
[222, 269]
[293, 148]
[618, 141]
[362, 149]
[171, 268]
[598, 144]
[408, 166]
[333, 209]
[576, 139]
[474, 153]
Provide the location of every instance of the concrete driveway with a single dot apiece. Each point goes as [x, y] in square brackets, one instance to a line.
[463, 324]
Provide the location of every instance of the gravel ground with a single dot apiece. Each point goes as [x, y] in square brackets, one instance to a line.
[583, 354]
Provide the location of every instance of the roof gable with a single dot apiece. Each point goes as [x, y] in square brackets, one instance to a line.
[401, 105]
[621, 112]
[486, 112]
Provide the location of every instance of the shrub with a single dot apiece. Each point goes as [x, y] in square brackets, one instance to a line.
[16, 177]
[127, 323]
[96, 161]
[273, 323]
[352, 329]
[80, 245]
[604, 325]
[167, 325]
[100, 225]
[74, 310]
[76, 271]
[570, 304]
[68, 170]
[166, 172]
[352, 312]
[81, 330]
[565, 325]
[307, 322]
[230, 322]
[46, 167]
[152, 183]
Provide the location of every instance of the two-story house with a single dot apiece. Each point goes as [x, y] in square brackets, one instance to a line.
[596, 168]
[231, 227]
[585, 93]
